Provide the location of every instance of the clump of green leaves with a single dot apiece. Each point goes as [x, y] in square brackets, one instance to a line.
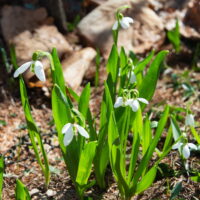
[128, 89]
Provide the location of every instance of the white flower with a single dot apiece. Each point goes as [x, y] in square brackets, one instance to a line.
[38, 69]
[132, 77]
[133, 103]
[119, 102]
[184, 149]
[68, 130]
[124, 22]
[189, 121]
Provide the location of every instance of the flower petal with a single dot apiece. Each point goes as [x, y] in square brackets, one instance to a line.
[128, 19]
[192, 146]
[132, 78]
[124, 24]
[66, 128]
[129, 102]
[68, 137]
[39, 71]
[177, 145]
[189, 121]
[82, 131]
[186, 152]
[22, 68]
[119, 102]
[135, 105]
[115, 26]
[143, 100]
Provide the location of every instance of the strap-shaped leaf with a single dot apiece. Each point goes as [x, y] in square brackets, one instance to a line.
[57, 74]
[144, 162]
[175, 129]
[34, 134]
[149, 82]
[62, 115]
[85, 163]
[147, 135]
[123, 58]
[117, 160]
[142, 64]
[112, 65]
[195, 134]
[21, 192]
[147, 180]
[83, 107]
[102, 155]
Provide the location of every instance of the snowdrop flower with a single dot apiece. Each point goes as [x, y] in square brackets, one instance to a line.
[189, 121]
[119, 102]
[124, 22]
[132, 77]
[184, 149]
[133, 103]
[68, 130]
[37, 66]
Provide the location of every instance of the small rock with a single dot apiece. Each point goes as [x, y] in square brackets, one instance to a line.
[50, 193]
[75, 66]
[34, 191]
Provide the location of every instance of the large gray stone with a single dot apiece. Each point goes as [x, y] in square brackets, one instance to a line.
[75, 66]
[145, 33]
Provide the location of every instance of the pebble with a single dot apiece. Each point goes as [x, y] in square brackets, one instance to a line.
[34, 191]
[50, 193]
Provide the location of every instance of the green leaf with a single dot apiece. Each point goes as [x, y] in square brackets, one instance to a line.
[174, 37]
[142, 64]
[1, 175]
[123, 58]
[150, 80]
[13, 57]
[117, 160]
[147, 180]
[196, 178]
[102, 155]
[147, 134]
[83, 105]
[34, 134]
[134, 156]
[138, 124]
[62, 115]
[5, 61]
[61, 112]
[176, 190]
[21, 192]
[195, 134]
[57, 74]
[112, 65]
[85, 163]
[168, 141]
[175, 129]
[144, 162]
[73, 94]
